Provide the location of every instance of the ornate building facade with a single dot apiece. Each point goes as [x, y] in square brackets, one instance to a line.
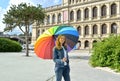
[94, 19]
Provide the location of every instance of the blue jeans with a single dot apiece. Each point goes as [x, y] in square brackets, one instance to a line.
[62, 71]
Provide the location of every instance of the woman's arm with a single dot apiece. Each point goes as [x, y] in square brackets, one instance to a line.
[56, 58]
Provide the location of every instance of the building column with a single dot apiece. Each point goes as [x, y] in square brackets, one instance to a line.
[99, 11]
[90, 30]
[65, 16]
[90, 44]
[108, 28]
[90, 13]
[82, 14]
[34, 33]
[75, 16]
[82, 31]
[56, 18]
[82, 44]
[62, 13]
[45, 21]
[118, 27]
[108, 10]
[99, 30]
[74, 1]
[50, 19]
[118, 9]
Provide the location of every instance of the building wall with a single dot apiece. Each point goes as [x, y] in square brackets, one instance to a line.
[87, 37]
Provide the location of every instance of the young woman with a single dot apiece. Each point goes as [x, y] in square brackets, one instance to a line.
[61, 59]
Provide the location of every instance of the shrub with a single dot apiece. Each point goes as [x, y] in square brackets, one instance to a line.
[106, 53]
[7, 45]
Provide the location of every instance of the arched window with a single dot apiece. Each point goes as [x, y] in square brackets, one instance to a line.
[113, 9]
[59, 17]
[94, 12]
[71, 16]
[103, 11]
[38, 33]
[86, 30]
[53, 19]
[86, 13]
[78, 15]
[86, 44]
[114, 28]
[69, 1]
[79, 30]
[104, 29]
[77, 1]
[73, 1]
[94, 42]
[95, 29]
[48, 19]
[43, 30]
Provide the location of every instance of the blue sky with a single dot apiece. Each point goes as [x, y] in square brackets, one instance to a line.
[5, 5]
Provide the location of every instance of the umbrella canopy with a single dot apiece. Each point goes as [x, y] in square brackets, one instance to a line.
[46, 41]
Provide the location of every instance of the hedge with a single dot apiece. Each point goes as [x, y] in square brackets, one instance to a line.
[106, 53]
[7, 45]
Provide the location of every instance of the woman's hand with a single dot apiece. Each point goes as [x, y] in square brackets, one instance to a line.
[64, 59]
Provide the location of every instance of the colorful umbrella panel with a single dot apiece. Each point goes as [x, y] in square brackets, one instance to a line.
[45, 42]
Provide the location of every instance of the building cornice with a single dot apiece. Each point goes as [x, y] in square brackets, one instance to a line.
[62, 6]
[88, 21]
[95, 21]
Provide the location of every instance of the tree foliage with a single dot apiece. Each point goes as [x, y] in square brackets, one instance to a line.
[106, 53]
[23, 16]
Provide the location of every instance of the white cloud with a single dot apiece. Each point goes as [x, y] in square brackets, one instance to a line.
[14, 2]
[44, 3]
[2, 11]
[57, 1]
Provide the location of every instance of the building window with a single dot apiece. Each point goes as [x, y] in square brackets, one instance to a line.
[38, 33]
[78, 15]
[79, 30]
[103, 11]
[95, 29]
[86, 12]
[86, 30]
[59, 18]
[43, 30]
[48, 19]
[104, 29]
[73, 1]
[77, 1]
[53, 19]
[94, 12]
[86, 44]
[71, 16]
[94, 43]
[114, 28]
[113, 9]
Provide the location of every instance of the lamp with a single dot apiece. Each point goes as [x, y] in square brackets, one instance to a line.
[115, 27]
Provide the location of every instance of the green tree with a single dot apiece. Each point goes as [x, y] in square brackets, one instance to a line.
[21, 16]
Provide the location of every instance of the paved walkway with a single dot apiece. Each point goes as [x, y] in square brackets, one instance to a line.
[18, 67]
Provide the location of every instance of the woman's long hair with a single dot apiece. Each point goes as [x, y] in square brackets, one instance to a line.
[58, 45]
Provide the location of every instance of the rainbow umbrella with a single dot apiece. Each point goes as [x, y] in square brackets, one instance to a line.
[45, 42]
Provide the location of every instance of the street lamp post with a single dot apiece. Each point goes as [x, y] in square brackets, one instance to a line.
[115, 27]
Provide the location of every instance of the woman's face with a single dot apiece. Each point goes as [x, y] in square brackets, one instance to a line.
[62, 39]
